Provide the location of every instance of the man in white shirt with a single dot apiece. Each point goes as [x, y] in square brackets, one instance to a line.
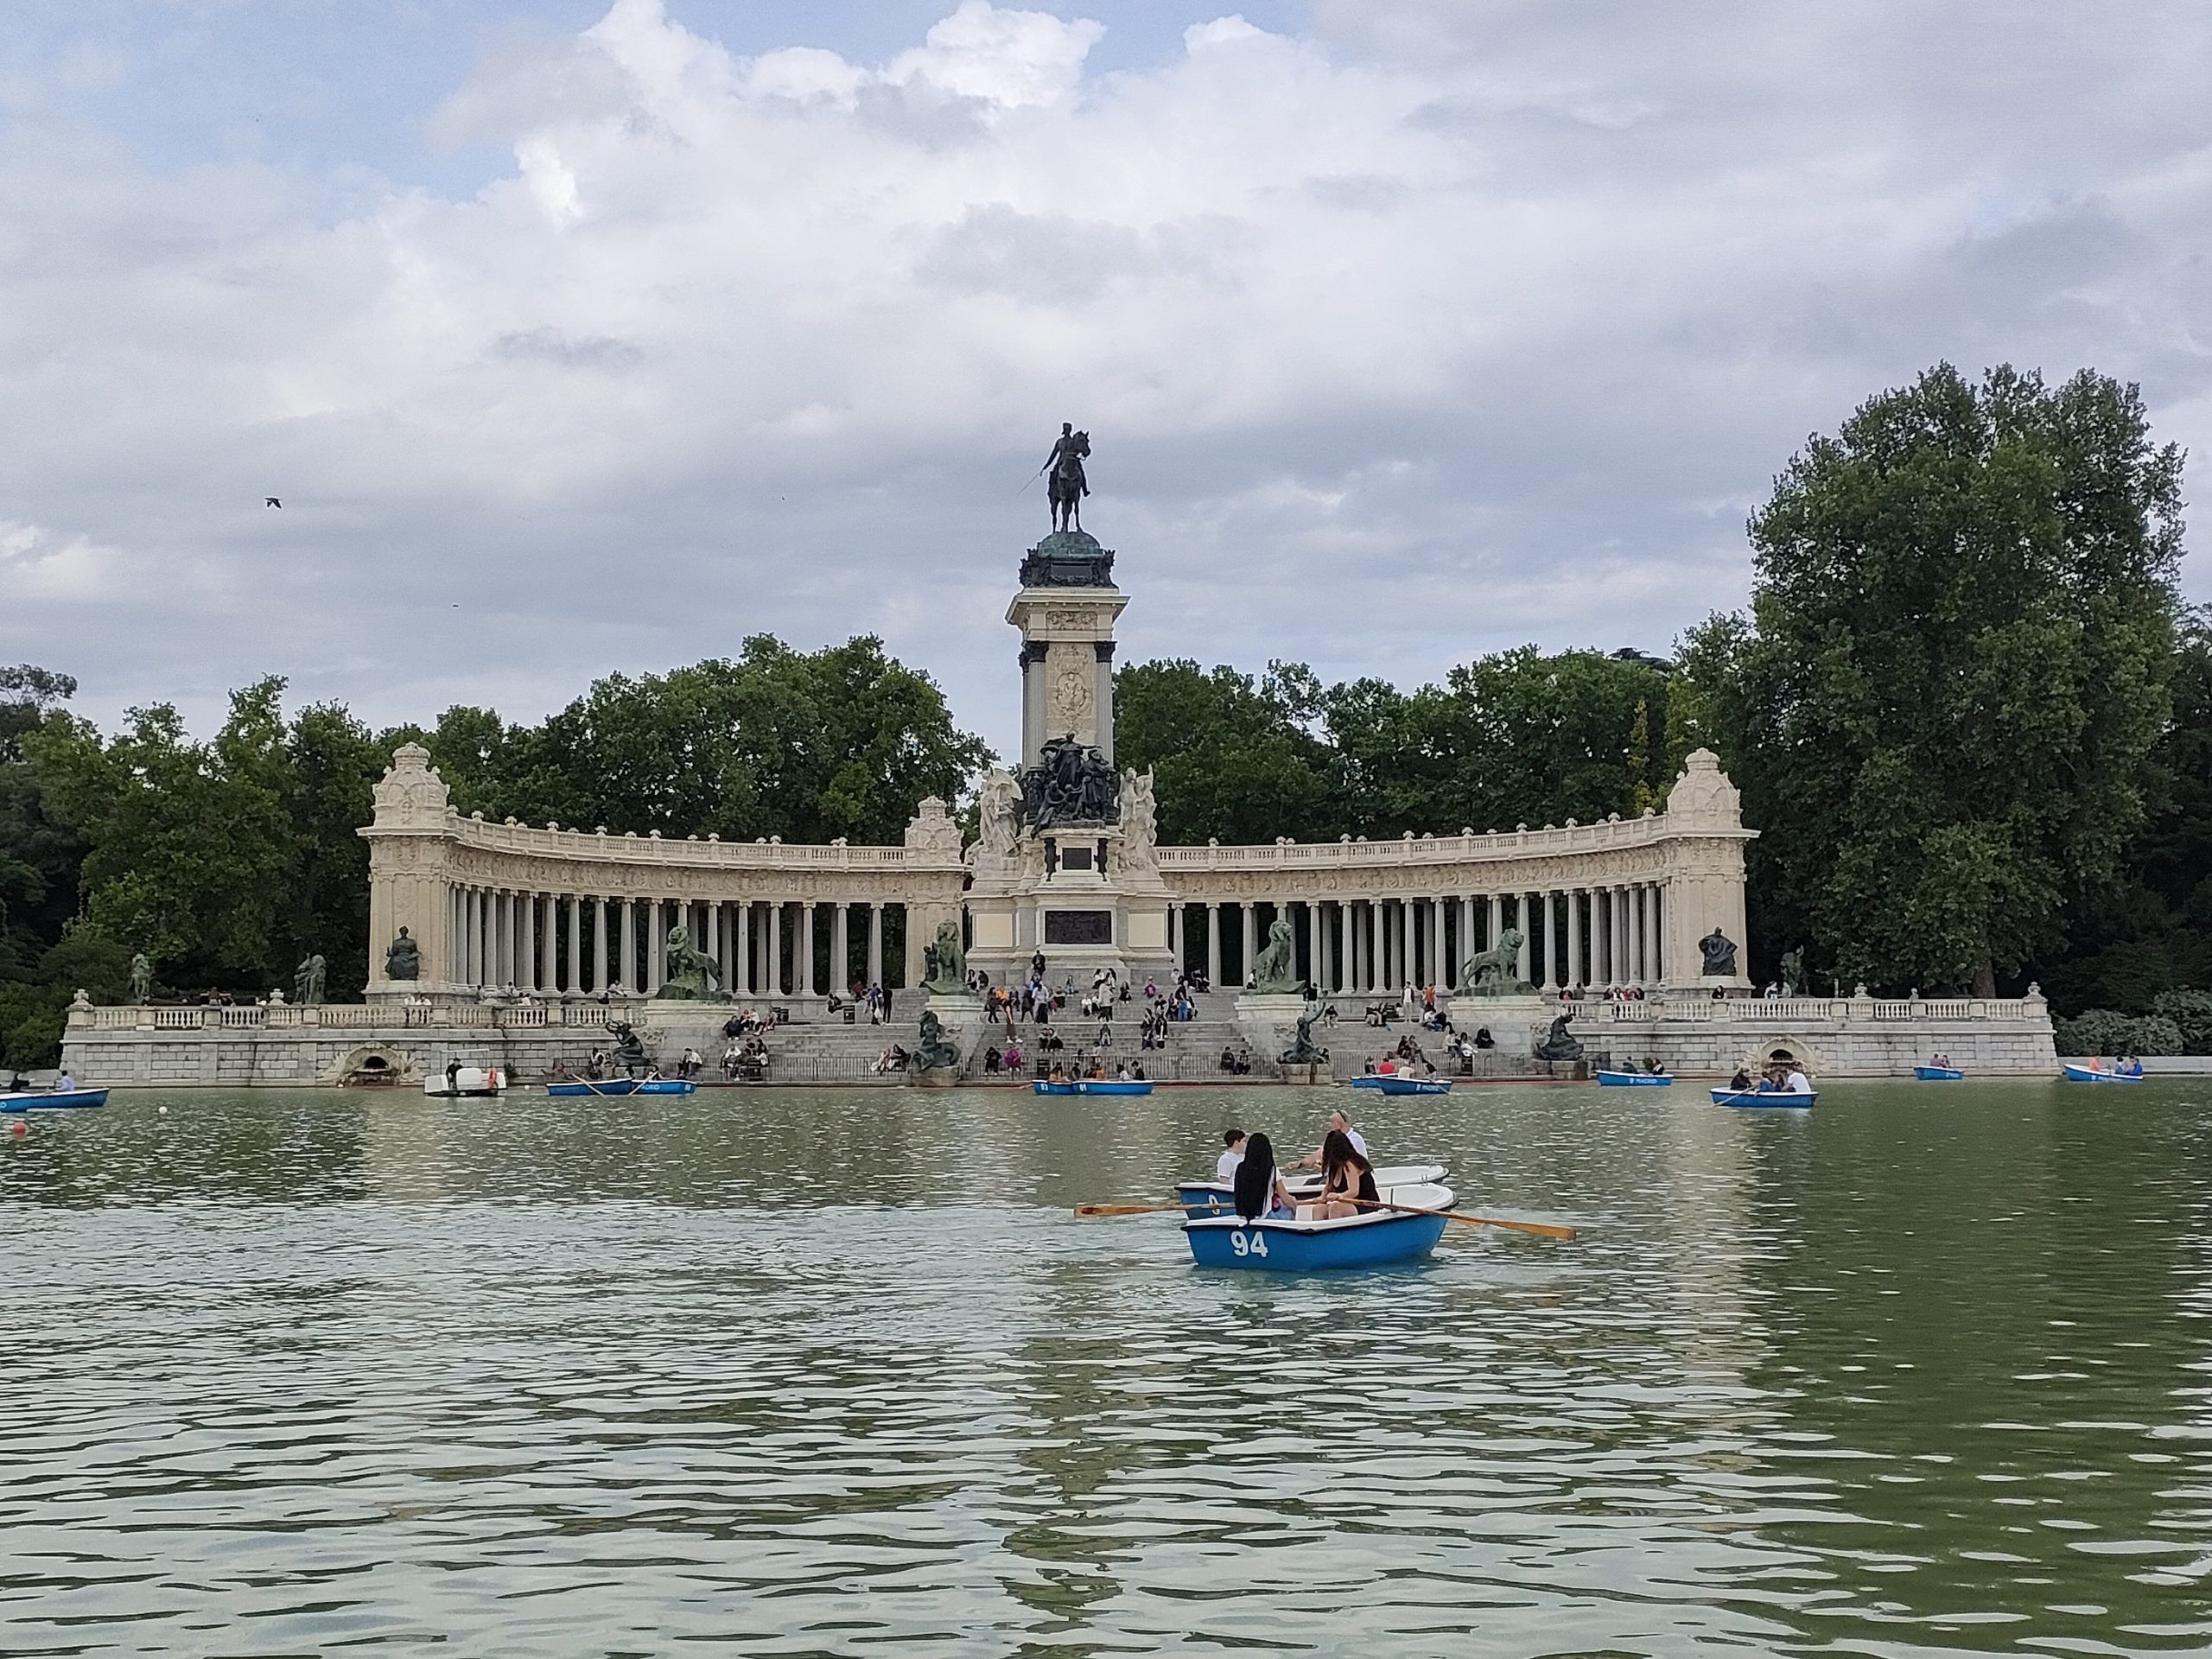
[1336, 1121]
[1224, 1169]
[1799, 1084]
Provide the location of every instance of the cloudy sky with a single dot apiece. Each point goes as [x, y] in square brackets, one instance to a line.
[579, 336]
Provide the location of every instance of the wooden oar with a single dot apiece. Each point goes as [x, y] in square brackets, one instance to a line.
[1123, 1209]
[1541, 1228]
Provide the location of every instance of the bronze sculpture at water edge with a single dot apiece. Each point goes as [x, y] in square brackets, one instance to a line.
[1494, 972]
[691, 976]
[945, 962]
[1275, 971]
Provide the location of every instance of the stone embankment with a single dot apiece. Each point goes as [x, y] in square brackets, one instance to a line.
[283, 1046]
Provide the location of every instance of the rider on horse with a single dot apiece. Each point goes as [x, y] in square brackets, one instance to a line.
[1068, 485]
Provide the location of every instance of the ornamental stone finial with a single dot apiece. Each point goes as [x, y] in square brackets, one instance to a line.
[411, 795]
[1703, 795]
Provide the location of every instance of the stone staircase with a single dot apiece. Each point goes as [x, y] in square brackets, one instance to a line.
[817, 1046]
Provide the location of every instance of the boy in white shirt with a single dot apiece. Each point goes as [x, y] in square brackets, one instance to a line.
[1224, 1169]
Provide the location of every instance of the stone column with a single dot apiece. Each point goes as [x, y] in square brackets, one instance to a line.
[574, 982]
[841, 948]
[527, 947]
[1636, 933]
[598, 944]
[1654, 970]
[1556, 967]
[775, 950]
[1373, 977]
[1247, 930]
[1340, 950]
[1316, 969]
[626, 950]
[1528, 934]
[1213, 943]
[875, 944]
[1103, 690]
[1496, 920]
[549, 978]
[1575, 938]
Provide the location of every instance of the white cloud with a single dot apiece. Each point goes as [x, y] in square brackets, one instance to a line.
[36, 564]
[1444, 328]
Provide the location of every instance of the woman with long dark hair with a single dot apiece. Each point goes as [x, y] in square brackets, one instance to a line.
[1345, 1176]
[1257, 1189]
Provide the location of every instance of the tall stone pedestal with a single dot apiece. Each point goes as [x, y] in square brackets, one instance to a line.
[1268, 1021]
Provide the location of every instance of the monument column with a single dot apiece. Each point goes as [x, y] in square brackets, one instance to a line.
[1248, 936]
[1527, 935]
[1213, 945]
[802, 970]
[625, 973]
[875, 944]
[1316, 969]
[841, 949]
[776, 949]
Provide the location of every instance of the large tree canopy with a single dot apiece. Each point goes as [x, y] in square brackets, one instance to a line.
[1514, 738]
[809, 746]
[225, 862]
[1956, 662]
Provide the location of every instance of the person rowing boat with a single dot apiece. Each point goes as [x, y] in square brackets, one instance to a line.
[1338, 1124]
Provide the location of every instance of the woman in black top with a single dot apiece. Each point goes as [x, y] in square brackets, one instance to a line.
[1256, 1188]
[1345, 1176]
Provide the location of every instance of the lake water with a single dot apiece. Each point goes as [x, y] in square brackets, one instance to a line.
[806, 1372]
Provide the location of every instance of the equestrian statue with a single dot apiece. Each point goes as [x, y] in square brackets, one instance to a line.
[1068, 485]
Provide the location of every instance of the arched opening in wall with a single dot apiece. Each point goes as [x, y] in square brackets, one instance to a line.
[1787, 1051]
[373, 1065]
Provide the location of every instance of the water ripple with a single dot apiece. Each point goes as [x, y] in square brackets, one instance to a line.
[822, 1373]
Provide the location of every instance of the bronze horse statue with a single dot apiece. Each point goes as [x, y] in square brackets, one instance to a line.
[1068, 485]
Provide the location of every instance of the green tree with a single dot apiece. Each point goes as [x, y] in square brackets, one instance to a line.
[191, 842]
[1234, 756]
[1514, 738]
[1954, 668]
[40, 856]
[810, 745]
[2128, 942]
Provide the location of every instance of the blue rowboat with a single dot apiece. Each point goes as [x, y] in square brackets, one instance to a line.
[53, 1100]
[611, 1087]
[1937, 1073]
[1041, 1087]
[1113, 1086]
[2096, 1074]
[1771, 1098]
[1634, 1080]
[1397, 1085]
[1376, 1238]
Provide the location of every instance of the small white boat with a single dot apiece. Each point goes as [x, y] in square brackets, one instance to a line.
[466, 1082]
[2099, 1074]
